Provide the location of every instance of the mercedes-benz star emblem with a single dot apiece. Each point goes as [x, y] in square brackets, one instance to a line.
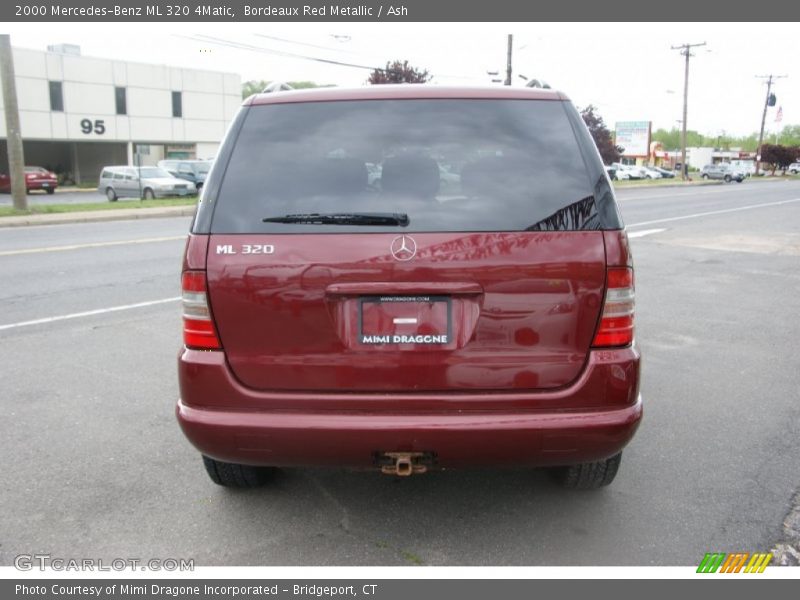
[404, 247]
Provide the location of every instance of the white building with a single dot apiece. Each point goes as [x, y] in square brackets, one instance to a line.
[78, 113]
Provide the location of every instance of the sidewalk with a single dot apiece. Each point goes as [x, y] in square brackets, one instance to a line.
[91, 216]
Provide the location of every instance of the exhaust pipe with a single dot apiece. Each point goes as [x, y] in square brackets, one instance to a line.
[403, 464]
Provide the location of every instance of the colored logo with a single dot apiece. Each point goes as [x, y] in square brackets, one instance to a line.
[743, 562]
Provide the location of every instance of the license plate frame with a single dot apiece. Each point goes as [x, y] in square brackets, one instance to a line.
[438, 339]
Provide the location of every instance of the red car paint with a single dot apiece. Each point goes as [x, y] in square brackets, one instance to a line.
[514, 378]
[36, 178]
[591, 415]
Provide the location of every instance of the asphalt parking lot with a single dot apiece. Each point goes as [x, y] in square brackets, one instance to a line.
[97, 467]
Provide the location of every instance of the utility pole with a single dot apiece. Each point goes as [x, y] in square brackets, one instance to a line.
[16, 159]
[508, 60]
[686, 50]
[770, 79]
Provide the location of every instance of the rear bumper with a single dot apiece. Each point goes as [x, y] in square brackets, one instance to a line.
[173, 193]
[562, 427]
[456, 440]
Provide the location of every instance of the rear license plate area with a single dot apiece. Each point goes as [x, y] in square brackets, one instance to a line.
[403, 320]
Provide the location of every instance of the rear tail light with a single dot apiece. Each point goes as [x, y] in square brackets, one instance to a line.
[198, 328]
[616, 322]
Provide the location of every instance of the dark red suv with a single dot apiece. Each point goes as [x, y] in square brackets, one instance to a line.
[408, 278]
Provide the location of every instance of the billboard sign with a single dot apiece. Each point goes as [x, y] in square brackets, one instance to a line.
[634, 137]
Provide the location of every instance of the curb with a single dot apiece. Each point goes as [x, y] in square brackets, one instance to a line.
[123, 214]
[660, 186]
[641, 186]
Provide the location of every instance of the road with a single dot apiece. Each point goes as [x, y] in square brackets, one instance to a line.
[97, 467]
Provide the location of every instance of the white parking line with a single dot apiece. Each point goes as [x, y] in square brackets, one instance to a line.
[714, 212]
[88, 313]
[644, 232]
[91, 245]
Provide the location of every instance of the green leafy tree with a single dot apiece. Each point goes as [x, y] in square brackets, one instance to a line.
[790, 136]
[399, 72]
[671, 140]
[609, 152]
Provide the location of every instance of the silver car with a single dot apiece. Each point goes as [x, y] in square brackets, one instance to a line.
[141, 182]
[195, 171]
[723, 171]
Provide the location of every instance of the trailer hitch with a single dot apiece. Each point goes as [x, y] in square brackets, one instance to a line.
[403, 464]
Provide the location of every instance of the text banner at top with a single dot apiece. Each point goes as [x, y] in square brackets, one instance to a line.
[261, 11]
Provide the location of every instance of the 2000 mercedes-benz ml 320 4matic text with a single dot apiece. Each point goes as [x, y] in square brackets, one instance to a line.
[408, 278]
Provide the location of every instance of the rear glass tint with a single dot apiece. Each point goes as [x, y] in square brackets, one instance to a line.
[450, 165]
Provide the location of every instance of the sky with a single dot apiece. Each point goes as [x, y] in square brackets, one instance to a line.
[627, 70]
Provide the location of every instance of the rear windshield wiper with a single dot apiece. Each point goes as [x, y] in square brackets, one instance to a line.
[378, 219]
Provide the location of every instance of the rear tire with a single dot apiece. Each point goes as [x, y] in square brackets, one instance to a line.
[727, 178]
[233, 475]
[149, 194]
[589, 476]
[704, 176]
[51, 191]
[111, 195]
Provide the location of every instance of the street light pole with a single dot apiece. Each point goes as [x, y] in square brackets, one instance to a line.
[686, 50]
[508, 60]
[770, 79]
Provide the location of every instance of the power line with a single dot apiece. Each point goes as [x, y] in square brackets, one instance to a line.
[284, 53]
[306, 44]
[294, 55]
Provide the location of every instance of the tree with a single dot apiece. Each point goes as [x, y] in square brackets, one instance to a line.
[256, 86]
[399, 72]
[671, 140]
[601, 135]
[790, 136]
[777, 156]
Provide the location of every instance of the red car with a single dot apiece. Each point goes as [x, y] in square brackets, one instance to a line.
[36, 178]
[401, 324]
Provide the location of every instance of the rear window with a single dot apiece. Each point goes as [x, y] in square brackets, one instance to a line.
[449, 165]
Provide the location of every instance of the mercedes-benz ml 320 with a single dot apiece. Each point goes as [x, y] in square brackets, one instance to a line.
[408, 278]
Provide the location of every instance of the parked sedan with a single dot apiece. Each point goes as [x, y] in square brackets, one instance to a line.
[36, 178]
[665, 173]
[144, 182]
[651, 173]
[627, 171]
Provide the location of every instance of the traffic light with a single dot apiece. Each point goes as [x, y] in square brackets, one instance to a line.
[771, 100]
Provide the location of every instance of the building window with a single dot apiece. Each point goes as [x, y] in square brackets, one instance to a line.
[56, 96]
[121, 98]
[177, 104]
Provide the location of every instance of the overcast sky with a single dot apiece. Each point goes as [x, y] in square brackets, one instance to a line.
[627, 70]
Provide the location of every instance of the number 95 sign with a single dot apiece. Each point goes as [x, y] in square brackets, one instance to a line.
[97, 126]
